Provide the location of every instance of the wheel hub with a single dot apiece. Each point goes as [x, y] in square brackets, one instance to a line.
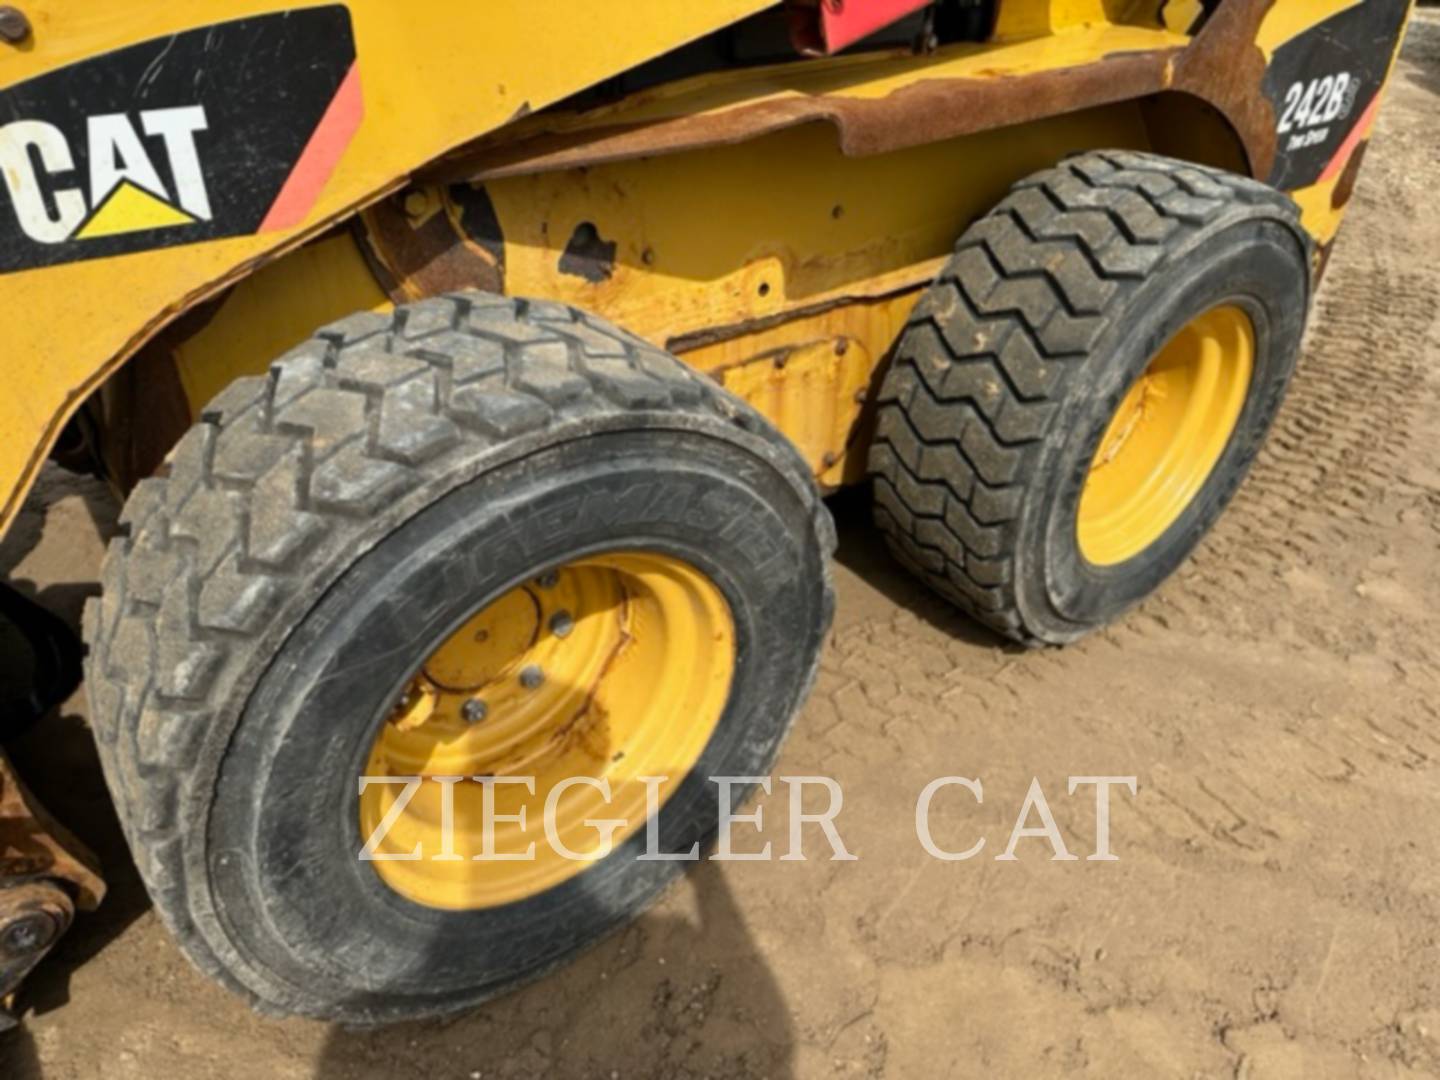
[1167, 436]
[612, 668]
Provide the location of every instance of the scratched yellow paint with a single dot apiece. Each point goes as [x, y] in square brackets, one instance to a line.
[1320, 218]
[712, 238]
[1289, 19]
[434, 75]
[1031, 18]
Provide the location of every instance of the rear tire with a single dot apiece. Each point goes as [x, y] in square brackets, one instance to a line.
[1016, 360]
[320, 531]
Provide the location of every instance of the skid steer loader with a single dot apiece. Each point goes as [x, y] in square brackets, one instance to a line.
[474, 372]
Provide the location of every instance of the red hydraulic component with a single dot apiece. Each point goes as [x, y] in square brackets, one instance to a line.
[841, 23]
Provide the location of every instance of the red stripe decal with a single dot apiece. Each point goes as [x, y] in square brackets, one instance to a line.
[1358, 132]
[322, 153]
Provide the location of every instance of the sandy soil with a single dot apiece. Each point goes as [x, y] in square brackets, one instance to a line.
[1275, 909]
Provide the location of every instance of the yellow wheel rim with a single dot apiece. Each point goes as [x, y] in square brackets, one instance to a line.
[614, 667]
[1166, 437]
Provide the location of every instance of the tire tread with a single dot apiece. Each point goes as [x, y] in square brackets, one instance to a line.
[986, 358]
[274, 491]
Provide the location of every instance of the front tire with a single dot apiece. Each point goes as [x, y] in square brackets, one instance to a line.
[324, 531]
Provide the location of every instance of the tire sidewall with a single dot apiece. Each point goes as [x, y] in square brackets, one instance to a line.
[1257, 265]
[284, 837]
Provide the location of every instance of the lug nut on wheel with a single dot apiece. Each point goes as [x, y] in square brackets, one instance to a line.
[561, 623]
[531, 677]
[474, 710]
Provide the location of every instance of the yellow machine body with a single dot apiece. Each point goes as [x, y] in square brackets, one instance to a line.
[771, 223]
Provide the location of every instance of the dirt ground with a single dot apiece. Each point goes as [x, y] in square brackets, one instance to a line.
[1275, 909]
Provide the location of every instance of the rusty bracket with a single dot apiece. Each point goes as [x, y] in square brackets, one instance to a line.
[42, 866]
[33, 917]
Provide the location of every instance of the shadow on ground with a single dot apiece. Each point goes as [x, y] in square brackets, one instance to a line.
[671, 995]
[683, 991]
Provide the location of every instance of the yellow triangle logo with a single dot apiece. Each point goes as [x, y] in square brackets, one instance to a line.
[129, 208]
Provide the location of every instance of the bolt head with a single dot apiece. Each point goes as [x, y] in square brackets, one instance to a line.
[14, 25]
[549, 579]
[561, 623]
[474, 710]
[531, 677]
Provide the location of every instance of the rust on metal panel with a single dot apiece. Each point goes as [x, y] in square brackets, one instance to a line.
[1226, 68]
[928, 111]
[897, 287]
[1222, 65]
[34, 915]
[428, 241]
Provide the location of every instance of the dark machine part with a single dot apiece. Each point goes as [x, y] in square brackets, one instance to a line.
[39, 662]
[45, 875]
[34, 915]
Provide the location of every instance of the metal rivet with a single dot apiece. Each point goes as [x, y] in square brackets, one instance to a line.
[549, 580]
[561, 623]
[474, 710]
[531, 677]
[14, 26]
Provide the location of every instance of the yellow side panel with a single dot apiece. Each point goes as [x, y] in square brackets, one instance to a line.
[814, 378]
[768, 229]
[274, 310]
[788, 285]
[1033, 18]
[1318, 212]
[433, 76]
